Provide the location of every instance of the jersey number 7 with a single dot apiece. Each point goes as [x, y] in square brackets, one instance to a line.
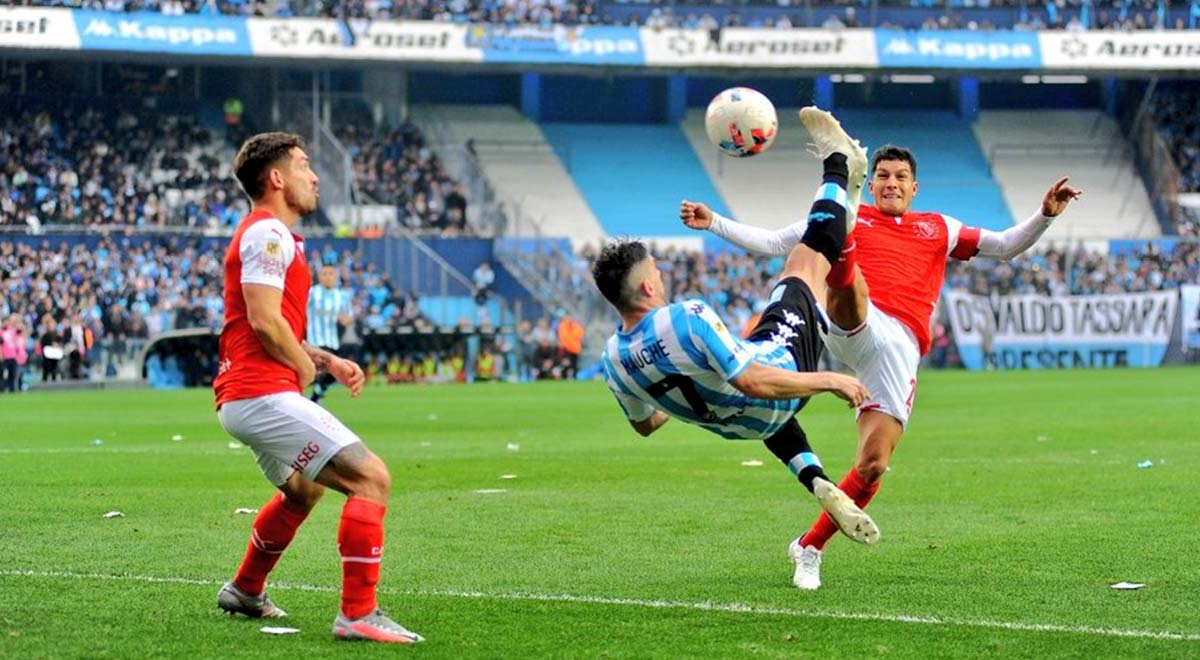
[687, 387]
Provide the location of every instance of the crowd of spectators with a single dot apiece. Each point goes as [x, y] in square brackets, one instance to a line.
[1079, 272]
[398, 167]
[783, 14]
[68, 164]
[95, 305]
[74, 300]
[77, 311]
[1174, 109]
[85, 165]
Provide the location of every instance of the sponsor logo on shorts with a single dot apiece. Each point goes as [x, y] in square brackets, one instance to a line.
[305, 456]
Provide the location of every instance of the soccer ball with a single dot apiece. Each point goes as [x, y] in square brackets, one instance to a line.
[741, 122]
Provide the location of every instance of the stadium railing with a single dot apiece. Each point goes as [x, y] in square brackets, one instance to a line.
[1157, 164]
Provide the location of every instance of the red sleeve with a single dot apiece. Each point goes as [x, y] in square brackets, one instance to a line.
[968, 243]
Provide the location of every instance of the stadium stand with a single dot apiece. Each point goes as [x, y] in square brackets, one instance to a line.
[833, 14]
[952, 170]
[538, 193]
[760, 190]
[76, 163]
[1027, 157]
[1174, 110]
[1078, 271]
[951, 167]
[633, 175]
[398, 167]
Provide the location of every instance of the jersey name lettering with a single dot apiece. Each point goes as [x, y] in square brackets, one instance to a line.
[646, 355]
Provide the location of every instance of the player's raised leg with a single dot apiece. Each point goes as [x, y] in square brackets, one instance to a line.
[846, 299]
[365, 480]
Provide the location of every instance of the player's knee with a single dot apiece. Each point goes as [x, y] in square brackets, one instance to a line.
[306, 498]
[871, 468]
[374, 481]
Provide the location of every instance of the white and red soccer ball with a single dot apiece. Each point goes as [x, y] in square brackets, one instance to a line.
[741, 122]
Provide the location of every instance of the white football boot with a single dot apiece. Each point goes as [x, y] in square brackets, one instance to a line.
[808, 566]
[374, 627]
[828, 138]
[851, 520]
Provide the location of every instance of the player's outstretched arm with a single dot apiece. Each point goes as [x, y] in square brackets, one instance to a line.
[764, 382]
[697, 215]
[1019, 238]
[651, 424]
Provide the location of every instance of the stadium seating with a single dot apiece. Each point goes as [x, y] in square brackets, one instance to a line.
[903, 14]
[774, 189]
[633, 175]
[530, 180]
[397, 167]
[449, 311]
[98, 164]
[770, 190]
[1027, 156]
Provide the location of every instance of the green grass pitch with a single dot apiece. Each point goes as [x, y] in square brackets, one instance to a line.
[1013, 504]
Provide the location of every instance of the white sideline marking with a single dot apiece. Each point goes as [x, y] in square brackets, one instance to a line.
[705, 606]
[165, 449]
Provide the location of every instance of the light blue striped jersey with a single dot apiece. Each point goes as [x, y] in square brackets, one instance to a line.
[680, 358]
[324, 308]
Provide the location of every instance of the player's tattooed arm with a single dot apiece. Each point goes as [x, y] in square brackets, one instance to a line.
[345, 371]
[321, 359]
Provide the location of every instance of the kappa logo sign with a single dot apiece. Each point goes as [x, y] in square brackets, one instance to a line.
[971, 51]
[151, 33]
[958, 48]
[175, 36]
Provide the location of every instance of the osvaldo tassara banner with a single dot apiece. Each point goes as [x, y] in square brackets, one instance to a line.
[1041, 332]
[736, 47]
[313, 38]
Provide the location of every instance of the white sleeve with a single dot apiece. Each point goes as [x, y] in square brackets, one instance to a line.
[266, 249]
[1014, 240]
[756, 239]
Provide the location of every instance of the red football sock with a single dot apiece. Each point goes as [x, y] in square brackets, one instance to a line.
[273, 530]
[841, 274]
[824, 529]
[360, 542]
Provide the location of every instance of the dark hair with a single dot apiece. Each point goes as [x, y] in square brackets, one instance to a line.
[893, 152]
[612, 269]
[257, 156]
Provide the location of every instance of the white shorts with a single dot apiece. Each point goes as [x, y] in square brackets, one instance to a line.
[287, 432]
[884, 356]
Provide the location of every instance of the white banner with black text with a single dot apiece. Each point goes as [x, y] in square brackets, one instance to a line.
[1047, 332]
